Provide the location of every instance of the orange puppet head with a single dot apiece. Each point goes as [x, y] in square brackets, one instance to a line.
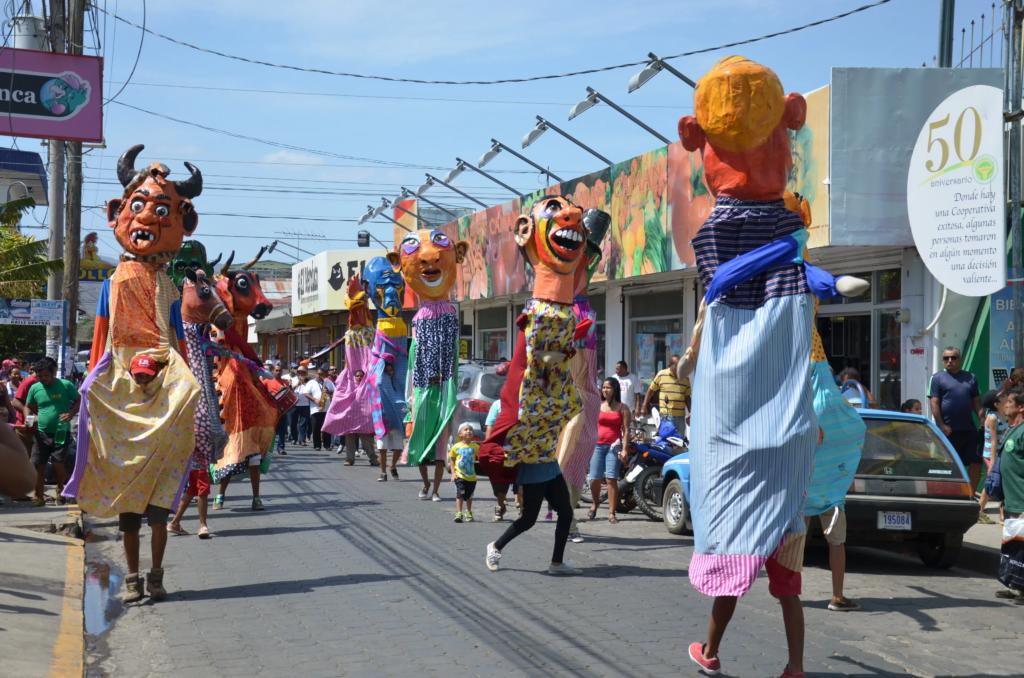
[552, 235]
[429, 260]
[740, 124]
[240, 291]
[154, 215]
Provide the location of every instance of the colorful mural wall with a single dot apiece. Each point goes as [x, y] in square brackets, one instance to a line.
[657, 200]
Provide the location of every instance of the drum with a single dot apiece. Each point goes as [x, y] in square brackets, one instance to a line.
[286, 399]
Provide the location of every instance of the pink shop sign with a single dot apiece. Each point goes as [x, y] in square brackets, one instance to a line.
[51, 96]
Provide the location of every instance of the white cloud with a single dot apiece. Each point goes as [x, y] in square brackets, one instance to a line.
[290, 157]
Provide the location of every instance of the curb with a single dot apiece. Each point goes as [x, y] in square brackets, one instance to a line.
[980, 559]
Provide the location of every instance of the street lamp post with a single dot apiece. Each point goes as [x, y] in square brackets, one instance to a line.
[374, 212]
[543, 126]
[462, 165]
[394, 203]
[498, 147]
[453, 215]
[431, 180]
[655, 66]
[593, 96]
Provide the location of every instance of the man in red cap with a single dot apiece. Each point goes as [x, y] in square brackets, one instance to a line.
[144, 369]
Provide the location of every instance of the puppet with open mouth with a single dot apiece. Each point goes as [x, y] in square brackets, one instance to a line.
[429, 262]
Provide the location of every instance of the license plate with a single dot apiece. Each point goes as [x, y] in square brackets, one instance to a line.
[631, 476]
[894, 520]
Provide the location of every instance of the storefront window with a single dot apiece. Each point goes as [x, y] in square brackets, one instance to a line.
[889, 384]
[847, 343]
[493, 333]
[890, 286]
[657, 325]
[597, 302]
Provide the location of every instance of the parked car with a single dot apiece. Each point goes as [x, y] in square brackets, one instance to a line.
[910, 487]
[478, 387]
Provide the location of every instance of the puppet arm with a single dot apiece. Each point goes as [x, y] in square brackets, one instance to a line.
[99, 340]
[688, 364]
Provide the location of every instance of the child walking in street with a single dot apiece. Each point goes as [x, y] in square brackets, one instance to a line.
[462, 459]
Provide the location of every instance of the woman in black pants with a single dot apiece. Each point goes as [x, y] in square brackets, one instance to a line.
[538, 482]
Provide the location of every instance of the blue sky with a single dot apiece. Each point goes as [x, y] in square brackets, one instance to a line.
[429, 125]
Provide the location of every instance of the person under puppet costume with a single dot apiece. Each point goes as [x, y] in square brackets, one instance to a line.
[249, 412]
[350, 414]
[201, 308]
[748, 489]
[429, 265]
[389, 358]
[135, 441]
[538, 396]
[577, 441]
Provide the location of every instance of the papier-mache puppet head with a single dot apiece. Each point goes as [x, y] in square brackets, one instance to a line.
[191, 255]
[154, 215]
[429, 259]
[355, 302]
[383, 281]
[552, 238]
[240, 291]
[740, 124]
[200, 303]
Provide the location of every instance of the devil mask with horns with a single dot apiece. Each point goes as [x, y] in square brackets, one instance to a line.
[154, 215]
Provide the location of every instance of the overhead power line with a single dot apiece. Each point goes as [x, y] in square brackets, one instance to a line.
[491, 82]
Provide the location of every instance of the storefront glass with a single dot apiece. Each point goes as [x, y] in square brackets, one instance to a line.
[847, 343]
[597, 302]
[889, 383]
[656, 325]
[493, 333]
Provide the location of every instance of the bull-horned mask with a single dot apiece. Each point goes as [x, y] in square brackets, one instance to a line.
[154, 215]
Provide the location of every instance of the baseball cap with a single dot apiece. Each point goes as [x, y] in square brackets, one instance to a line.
[143, 364]
[293, 365]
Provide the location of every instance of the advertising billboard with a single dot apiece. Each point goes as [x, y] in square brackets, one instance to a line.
[320, 282]
[48, 95]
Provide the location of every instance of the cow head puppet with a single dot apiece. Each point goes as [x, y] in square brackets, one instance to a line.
[241, 293]
[154, 215]
[200, 303]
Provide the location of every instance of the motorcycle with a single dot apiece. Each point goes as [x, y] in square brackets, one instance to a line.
[645, 462]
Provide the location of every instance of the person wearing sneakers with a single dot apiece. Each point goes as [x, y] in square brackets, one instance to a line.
[462, 458]
[52, 402]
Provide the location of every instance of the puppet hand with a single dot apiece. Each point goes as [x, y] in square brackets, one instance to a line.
[848, 286]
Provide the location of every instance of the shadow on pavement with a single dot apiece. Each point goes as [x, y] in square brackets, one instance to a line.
[18, 609]
[616, 571]
[250, 531]
[276, 588]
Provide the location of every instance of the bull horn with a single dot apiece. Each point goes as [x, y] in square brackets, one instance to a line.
[227, 264]
[191, 187]
[213, 264]
[126, 164]
[252, 262]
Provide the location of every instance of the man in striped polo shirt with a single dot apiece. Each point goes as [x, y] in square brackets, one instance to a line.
[673, 396]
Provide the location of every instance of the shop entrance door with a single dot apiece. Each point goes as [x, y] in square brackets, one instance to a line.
[847, 343]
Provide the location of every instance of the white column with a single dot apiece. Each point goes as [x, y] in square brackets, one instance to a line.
[615, 315]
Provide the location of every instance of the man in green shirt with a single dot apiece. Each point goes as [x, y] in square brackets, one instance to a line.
[54, 402]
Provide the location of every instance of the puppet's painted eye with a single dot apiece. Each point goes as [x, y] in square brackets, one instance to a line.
[162, 211]
[441, 240]
[137, 206]
[410, 245]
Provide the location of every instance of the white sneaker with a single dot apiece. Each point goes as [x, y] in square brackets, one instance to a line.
[576, 537]
[435, 498]
[493, 556]
[565, 568]
[423, 494]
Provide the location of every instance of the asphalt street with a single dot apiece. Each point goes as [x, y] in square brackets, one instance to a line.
[346, 576]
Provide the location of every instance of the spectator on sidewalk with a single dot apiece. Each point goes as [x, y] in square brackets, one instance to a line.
[302, 410]
[318, 395]
[954, 398]
[54, 401]
[995, 427]
[673, 396]
[629, 385]
[911, 406]
[1011, 466]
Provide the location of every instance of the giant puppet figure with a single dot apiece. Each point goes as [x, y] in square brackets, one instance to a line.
[350, 413]
[249, 412]
[382, 280]
[429, 261]
[754, 429]
[192, 255]
[576, 444]
[135, 440]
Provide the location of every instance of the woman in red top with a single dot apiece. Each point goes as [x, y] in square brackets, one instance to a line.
[612, 431]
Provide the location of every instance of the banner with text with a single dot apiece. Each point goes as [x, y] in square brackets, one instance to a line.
[48, 95]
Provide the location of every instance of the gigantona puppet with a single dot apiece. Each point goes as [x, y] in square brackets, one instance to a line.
[429, 259]
[754, 335]
[249, 412]
[382, 280]
[350, 412]
[539, 395]
[192, 255]
[577, 441]
[135, 441]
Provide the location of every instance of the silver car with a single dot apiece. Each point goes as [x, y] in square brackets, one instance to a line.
[478, 388]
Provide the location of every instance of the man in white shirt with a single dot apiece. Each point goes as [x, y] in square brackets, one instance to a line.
[629, 385]
[315, 391]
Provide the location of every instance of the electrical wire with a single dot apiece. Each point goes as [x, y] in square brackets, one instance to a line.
[496, 82]
[137, 55]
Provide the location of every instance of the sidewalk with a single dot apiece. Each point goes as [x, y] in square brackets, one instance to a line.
[41, 587]
[982, 544]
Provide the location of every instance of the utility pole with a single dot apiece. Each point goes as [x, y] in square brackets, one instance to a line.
[946, 33]
[73, 215]
[55, 282]
[1013, 17]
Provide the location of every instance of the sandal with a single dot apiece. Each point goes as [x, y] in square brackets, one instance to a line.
[591, 514]
[613, 520]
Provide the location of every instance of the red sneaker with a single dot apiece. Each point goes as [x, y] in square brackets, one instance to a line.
[709, 666]
[787, 674]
